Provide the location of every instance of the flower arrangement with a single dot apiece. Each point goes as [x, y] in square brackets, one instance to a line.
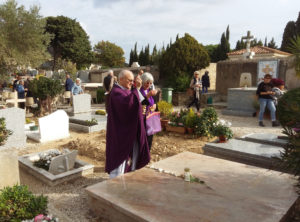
[164, 108]
[222, 128]
[4, 133]
[177, 118]
[43, 218]
[100, 112]
[44, 159]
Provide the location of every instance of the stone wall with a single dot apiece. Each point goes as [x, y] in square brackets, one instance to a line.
[229, 72]
[97, 76]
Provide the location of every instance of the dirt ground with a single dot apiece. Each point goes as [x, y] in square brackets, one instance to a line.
[69, 202]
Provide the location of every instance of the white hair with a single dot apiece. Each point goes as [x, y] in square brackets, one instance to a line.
[78, 79]
[146, 77]
[110, 72]
[123, 72]
[197, 72]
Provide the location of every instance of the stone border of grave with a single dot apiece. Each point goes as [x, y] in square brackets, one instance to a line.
[81, 168]
[80, 126]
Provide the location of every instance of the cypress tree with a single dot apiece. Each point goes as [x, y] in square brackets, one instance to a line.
[141, 59]
[272, 44]
[147, 55]
[130, 57]
[288, 34]
[177, 37]
[135, 56]
[266, 42]
[297, 23]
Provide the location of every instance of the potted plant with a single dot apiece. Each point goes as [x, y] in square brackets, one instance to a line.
[176, 123]
[165, 110]
[190, 121]
[222, 130]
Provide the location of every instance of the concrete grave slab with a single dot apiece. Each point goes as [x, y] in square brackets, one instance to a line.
[15, 121]
[256, 154]
[265, 138]
[80, 169]
[81, 103]
[76, 126]
[232, 192]
[52, 127]
[9, 168]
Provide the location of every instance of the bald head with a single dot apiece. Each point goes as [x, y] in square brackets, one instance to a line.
[126, 79]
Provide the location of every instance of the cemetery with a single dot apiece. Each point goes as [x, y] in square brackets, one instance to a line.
[202, 147]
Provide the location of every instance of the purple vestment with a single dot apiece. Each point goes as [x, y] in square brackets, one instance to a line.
[125, 125]
[150, 100]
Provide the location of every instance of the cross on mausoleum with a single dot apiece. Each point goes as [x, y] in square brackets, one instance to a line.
[248, 38]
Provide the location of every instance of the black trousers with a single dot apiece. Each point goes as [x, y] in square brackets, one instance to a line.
[149, 139]
[196, 102]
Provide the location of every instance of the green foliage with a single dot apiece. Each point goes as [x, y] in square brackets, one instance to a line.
[272, 44]
[43, 88]
[190, 119]
[294, 48]
[70, 41]
[17, 203]
[4, 133]
[212, 51]
[181, 83]
[288, 112]
[205, 122]
[100, 95]
[164, 108]
[22, 39]
[184, 56]
[288, 34]
[177, 118]
[221, 130]
[109, 54]
[91, 122]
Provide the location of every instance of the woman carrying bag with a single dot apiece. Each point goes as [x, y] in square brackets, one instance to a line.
[196, 86]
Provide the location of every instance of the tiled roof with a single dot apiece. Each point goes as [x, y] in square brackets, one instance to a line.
[259, 50]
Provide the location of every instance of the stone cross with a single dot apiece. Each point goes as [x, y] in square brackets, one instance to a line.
[248, 39]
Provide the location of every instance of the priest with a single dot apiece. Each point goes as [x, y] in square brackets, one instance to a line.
[126, 141]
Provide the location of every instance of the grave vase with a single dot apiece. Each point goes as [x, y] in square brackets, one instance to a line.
[222, 139]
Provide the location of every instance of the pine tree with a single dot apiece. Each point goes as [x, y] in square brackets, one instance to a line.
[135, 56]
[297, 23]
[266, 42]
[288, 34]
[272, 44]
[130, 57]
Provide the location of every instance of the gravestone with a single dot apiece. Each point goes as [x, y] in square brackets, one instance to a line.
[9, 168]
[63, 163]
[256, 154]
[265, 138]
[81, 103]
[240, 101]
[52, 127]
[246, 80]
[83, 75]
[231, 192]
[15, 121]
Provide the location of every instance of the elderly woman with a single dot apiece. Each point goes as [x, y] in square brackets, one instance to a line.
[196, 86]
[147, 81]
[76, 89]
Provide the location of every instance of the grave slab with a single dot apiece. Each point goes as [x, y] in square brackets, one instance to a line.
[261, 155]
[232, 192]
[81, 168]
[9, 168]
[265, 138]
[81, 103]
[15, 121]
[102, 120]
[52, 127]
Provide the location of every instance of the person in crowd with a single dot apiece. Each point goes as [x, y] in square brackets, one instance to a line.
[196, 86]
[278, 89]
[148, 93]
[21, 93]
[108, 84]
[205, 82]
[16, 82]
[76, 89]
[126, 141]
[265, 97]
[69, 83]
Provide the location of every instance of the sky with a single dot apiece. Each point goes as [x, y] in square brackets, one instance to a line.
[125, 22]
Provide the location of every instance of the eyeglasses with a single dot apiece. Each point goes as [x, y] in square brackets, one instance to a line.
[130, 80]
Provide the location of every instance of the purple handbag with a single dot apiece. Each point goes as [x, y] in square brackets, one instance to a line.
[153, 123]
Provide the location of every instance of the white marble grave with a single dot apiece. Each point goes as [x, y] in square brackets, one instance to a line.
[9, 168]
[81, 103]
[52, 127]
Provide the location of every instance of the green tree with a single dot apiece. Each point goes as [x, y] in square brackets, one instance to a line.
[212, 51]
[266, 42]
[297, 24]
[182, 58]
[70, 41]
[130, 58]
[135, 57]
[272, 44]
[288, 34]
[22, 38]
[147, 55]
[109, 54]
[141, 57]
[294, 47]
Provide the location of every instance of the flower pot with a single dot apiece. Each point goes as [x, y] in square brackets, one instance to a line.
[164, 123]
[176, 129]
[190, 130]
[222, 139]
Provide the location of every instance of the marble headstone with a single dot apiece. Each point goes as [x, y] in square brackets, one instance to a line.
[9, 168]
[63, 163]
[81, 103]
[15, 121]
[246, 79]
[52, 127]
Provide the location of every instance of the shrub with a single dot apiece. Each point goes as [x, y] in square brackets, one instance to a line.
[100, 95]
[91, 122]
[190, 119]
[164, 108]
[178, 118]
[100, 112]
[222, 130]
[17, 203]
[205, 123]
[181, 83]
[289, 118]
[4, 133]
